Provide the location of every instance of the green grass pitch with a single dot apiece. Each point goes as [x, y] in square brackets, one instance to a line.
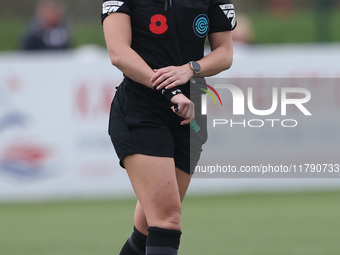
[301, 223]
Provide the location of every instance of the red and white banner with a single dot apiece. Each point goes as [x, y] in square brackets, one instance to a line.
[54, 116]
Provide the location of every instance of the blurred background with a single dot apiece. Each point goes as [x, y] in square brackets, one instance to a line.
[268, 21]
[61, 188]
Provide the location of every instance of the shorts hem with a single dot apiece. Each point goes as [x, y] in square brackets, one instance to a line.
[179, 166]
[121, 158]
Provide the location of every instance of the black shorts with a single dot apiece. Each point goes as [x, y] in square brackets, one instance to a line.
[142, 122]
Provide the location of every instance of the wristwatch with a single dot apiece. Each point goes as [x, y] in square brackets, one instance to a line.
[196, 68]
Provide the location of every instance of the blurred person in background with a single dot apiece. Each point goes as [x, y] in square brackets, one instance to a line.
[281, 8]
[47, 30]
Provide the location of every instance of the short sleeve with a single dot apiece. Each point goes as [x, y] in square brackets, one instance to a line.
[222, 16]
[123, 6]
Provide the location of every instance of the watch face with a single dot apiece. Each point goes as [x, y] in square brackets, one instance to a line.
[196, 66]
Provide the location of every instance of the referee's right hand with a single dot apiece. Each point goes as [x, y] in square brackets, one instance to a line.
[184, 108]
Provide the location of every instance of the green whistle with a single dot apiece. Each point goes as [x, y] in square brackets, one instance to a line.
[194, 126]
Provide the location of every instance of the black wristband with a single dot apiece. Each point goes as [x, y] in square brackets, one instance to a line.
[168, 94]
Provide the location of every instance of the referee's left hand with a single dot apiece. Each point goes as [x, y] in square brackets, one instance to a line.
[185, 108]
[171, 76]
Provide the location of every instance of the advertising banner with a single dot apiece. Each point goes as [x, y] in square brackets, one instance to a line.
[54, 112]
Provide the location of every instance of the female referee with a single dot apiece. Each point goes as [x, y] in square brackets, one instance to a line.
[159, 47]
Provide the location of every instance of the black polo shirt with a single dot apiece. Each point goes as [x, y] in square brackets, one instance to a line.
[172, 32]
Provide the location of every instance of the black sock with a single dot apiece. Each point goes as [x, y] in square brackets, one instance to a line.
[162, 241]
[135, 245]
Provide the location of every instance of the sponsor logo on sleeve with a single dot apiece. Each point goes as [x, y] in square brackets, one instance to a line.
[228, 10]
[111, 6]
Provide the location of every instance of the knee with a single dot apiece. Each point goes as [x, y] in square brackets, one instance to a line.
[168, 217]
[173, 217]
